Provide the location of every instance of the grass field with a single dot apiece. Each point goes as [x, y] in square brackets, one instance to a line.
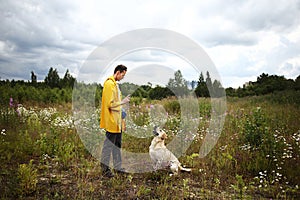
[256, 156]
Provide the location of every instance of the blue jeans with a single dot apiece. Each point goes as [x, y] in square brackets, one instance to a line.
[112, 145]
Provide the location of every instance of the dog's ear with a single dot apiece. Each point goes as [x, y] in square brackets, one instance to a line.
[155, 131]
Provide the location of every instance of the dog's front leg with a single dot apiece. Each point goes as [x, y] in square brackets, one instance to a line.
[157, 165]
[173, 167]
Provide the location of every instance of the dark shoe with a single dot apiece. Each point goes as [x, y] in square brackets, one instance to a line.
[108, 174]
[120, 171]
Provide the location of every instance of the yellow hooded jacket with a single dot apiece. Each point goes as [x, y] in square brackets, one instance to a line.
[111, 107]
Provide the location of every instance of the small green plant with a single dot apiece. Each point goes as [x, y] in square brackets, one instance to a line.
[191, 159]
[66, 152]
[217, 183]
[185, 187]
[27, 175]
[143, 191]
[254, 129]
[239, 187]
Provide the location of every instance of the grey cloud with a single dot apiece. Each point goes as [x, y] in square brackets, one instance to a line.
[38, 23]
[34, 35]
[268, 15]
[144, 55]
[153, 73]
[246, 20]
[228, 37]
[256, 15]
[285, 51]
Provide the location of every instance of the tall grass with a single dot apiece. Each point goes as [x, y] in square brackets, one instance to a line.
[256, 156]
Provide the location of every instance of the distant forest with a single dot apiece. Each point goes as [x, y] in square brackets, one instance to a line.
[55, 89]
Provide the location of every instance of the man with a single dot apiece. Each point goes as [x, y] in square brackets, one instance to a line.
[111, 121]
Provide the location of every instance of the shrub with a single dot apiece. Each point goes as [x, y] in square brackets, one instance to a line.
[27, 175]
[172, 106]
[254, 129]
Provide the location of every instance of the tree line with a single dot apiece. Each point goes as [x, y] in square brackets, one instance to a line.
[54, 89]
[179, 87]
[265, 84]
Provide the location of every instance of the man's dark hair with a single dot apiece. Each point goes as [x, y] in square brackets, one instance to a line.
[120, 68]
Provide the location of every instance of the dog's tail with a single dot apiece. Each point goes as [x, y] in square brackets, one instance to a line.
[184, 169]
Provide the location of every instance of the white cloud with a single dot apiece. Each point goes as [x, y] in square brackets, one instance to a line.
[243, 38]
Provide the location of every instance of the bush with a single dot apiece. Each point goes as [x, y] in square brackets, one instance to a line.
[172, 106]
[254, 129]
[27, 175]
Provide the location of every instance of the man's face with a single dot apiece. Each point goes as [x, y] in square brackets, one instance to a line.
[120, 75]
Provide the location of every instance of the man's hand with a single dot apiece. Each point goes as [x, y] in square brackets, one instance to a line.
[125, 100]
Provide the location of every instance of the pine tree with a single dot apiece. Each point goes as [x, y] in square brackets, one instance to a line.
[52, 79]
[178, 85]
[33, 78]
[201, 89]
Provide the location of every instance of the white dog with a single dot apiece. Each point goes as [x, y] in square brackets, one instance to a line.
[161, 156]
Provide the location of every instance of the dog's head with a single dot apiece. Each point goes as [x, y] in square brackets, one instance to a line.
[157, 131]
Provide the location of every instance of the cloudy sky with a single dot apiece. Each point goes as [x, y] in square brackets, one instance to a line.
[243, 38]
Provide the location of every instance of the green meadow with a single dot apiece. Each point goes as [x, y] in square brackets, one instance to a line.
[255, 157]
